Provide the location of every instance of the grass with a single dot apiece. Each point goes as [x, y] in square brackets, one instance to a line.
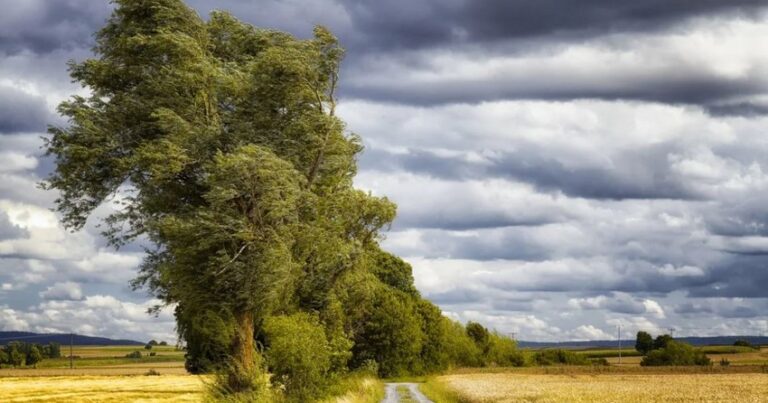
[577, 388]
[357, 389]
[439, 392]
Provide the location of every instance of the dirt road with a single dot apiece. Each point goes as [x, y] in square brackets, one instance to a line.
[392, 395]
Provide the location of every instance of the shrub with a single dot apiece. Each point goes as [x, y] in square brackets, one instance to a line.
[134, 354]
[298, 355]
[148, 347]
[661, 341]
[559, 357]
[676, 354]
[152, 354]
[151, 372]
[502, 351]
[724, 362]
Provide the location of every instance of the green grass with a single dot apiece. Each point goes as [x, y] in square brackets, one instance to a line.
[439, 392]
[357, 388]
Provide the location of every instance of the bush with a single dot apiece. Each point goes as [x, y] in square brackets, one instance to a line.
[724, 362]
[134, 354]
[152, 354]
[503, 352]
[151, 372]
[676, 354]
[559, 357]
[298, 355]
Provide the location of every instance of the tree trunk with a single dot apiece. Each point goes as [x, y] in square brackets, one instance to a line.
[243, 353]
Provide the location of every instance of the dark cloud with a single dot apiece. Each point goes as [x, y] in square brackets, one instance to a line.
[638, 174]
[429, 23]
[21, 112]
[41, 26]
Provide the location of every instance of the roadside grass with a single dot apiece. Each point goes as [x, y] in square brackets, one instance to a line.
[440, 392]
[356, 389]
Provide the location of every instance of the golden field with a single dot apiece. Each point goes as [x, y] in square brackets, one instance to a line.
[612, 387]
[71, 389]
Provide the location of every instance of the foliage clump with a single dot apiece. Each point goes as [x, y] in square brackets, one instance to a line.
[676, 353]
[559, 357]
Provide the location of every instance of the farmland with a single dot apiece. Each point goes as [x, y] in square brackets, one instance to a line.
[103, 374]
[520, 386]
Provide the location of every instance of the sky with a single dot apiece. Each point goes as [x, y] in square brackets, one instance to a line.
[560, 168]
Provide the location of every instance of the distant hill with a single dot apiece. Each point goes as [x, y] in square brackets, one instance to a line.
[696, 341]
[80, 340]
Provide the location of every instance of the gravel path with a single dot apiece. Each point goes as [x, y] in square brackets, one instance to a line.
[392, 396]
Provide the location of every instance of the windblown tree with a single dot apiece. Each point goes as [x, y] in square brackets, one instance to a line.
[221, 144]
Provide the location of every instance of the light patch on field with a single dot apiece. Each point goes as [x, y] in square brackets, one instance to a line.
[631, 388]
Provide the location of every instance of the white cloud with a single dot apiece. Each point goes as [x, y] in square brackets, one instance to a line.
[63, 291]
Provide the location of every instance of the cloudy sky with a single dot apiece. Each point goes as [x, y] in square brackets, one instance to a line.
[560, 167]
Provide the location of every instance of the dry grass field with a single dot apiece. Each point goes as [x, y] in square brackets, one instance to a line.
[613, 387]
[77, 389]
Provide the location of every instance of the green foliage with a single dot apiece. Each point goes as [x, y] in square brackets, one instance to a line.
[460, 348]
[33, 356]
[19, 353]
[724, 362]
[662, 341]
[559, 357]
[148, 346]
[298, 355]
[389, 333]
[479, 335]
[503, 352]
[52, 350]
[676, 353]
[134, 354]
[643, 342]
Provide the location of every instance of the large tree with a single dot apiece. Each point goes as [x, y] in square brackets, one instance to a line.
[221, 144]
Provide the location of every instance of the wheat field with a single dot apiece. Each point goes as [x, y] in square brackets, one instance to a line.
[626, 388]
[107, 389]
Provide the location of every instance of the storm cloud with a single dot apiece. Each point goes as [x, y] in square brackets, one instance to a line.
[560, 167]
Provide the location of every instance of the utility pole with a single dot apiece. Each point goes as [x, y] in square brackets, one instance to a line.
[619, 326]
[672, 332]
[71, 357]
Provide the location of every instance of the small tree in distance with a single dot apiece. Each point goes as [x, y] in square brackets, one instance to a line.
[644, 342]
[34, 356]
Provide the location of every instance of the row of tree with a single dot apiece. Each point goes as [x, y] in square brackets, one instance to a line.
[18, 354]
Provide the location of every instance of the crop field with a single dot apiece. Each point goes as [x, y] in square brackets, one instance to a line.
[611, 387]
[149, 389]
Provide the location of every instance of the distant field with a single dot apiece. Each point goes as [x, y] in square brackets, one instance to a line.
[736, 355]
[106, 360]
[512, 387]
